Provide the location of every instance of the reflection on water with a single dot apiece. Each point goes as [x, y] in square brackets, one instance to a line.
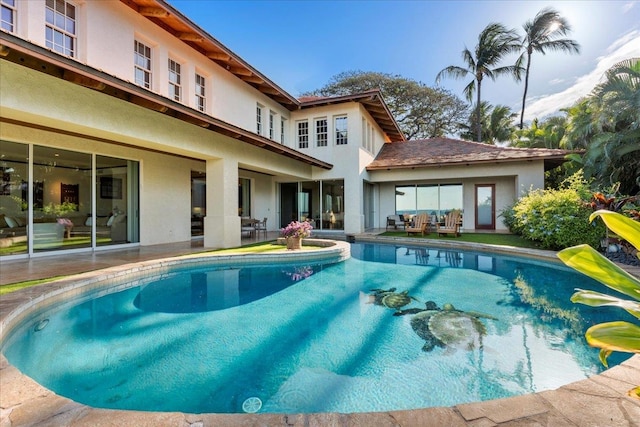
[392, 328]
[213, 290]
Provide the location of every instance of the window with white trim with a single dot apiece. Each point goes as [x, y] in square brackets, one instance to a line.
[8, 12]
[303, 134]
[60, 28]
[283, 127]
[175, 81]
[341, 130]
[272, 125]
[322, 135]
[201, 97]
[259, 119]
[142, 64]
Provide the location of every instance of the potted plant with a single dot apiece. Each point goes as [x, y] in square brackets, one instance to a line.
[295, 232]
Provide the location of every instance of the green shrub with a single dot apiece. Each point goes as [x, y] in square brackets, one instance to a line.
[556, 219]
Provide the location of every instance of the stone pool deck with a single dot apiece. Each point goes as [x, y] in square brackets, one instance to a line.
[601, 400]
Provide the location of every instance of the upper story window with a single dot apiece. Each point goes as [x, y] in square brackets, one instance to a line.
[8, 15]
[259, 119]
[201, 98]
[283, 127]
[142, 64]
[322, 135]
[341, 130]
[175, 81]
[272, 125]
[303, 134]
[60, 30]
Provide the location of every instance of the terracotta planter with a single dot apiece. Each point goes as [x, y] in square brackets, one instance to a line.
[294, 242]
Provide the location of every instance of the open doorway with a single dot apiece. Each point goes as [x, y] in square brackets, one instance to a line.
[198, 202]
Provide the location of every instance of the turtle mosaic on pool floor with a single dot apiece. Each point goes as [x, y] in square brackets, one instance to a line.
[450, 327]
[391, 299]
[438, 327]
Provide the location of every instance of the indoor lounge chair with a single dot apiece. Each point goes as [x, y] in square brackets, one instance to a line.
[420, 224]
[451, 224]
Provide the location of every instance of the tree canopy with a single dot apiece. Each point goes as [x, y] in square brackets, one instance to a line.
[420, 111]
[607, 125]
[542, 34]
[494, 43]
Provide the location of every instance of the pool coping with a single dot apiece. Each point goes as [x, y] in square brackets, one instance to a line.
[598, 400]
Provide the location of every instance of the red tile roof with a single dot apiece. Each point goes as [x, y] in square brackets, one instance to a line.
[450, 152]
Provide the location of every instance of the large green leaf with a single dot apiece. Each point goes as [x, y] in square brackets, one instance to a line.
[615, 336]
[597, 299]
[624, 227]
[588, 261]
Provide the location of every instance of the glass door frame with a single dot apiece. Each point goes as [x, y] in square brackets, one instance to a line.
[491, 226]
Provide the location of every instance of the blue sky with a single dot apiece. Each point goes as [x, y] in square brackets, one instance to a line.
[300, 45]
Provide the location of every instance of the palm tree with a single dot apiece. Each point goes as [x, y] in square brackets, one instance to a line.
[607, 126]
[542, 134]
[543, 34]
[494, 43]
[497, 123]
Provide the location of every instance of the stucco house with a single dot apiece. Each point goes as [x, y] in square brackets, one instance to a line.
[124, 123]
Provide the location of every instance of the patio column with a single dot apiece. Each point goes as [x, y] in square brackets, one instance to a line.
[222, 223]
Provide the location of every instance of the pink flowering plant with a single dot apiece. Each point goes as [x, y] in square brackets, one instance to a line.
[299, 273]
[297, 229]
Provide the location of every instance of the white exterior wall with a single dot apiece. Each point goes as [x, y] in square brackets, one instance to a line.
[165, 203]
[349, 161]
[106, 33]
[512, 180]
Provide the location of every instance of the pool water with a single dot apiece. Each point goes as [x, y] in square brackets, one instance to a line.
[319, 338]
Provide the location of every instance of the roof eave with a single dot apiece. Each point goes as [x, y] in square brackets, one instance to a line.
[196, 38]
[559, 159]
[26, 54]
[373, 102]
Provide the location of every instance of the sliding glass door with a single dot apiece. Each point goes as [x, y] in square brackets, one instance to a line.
[55, 199]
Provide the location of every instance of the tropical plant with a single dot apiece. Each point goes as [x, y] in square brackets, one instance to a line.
[618, 335]
[556, 218]
[541, 133]
[607, 126]
[497, 124]
[543, 34]
[419, 110]
[494, 43]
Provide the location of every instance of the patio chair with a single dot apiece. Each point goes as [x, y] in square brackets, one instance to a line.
[262, 226]
[395, 221]
[248, 226]
[451, 224]
[420, 224]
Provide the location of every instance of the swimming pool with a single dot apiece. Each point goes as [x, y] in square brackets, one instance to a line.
[315, 341]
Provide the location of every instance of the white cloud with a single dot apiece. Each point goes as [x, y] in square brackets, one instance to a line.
[627, 46]
[628, 6]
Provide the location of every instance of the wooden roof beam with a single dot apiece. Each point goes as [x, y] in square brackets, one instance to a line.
[252, 79]
[268, 90]
[219, 56]
[76, 78]
[154, 12]
[240, 71]
[190, 37]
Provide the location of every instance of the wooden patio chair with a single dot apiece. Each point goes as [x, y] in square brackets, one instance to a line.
[451, 224]
[420, 224]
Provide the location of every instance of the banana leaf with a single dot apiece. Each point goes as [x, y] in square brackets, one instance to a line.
[588, 261]
[624, 227]
[615, 336]
[597, 299]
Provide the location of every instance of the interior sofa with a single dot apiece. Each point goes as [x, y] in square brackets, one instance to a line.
[13, 228]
